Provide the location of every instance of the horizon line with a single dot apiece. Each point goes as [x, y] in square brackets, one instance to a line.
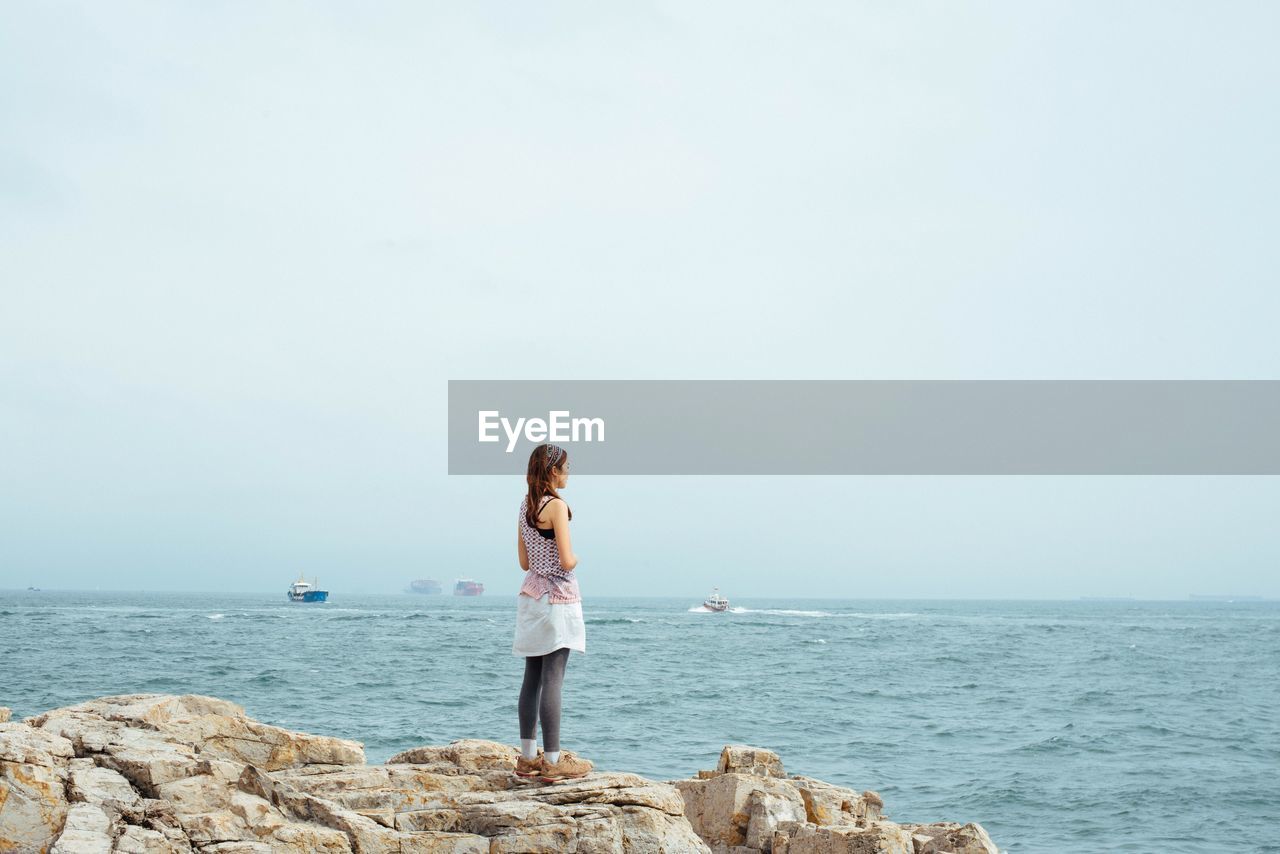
[1252, 597]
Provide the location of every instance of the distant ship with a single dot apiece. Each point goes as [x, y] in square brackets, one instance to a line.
[715, 602]
[303, 591]
[467, 587]
[424, 585]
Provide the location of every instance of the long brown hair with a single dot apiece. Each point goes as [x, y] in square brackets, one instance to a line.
[542, 480]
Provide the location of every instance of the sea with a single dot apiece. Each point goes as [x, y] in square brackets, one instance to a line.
[1060, 726]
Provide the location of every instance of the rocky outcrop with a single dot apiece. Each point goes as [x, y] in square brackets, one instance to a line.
[749, 804]
[152, 773]
[33, 772]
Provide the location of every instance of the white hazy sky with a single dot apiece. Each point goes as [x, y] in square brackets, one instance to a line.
[244, 245]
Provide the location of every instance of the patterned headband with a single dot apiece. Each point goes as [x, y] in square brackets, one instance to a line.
[554, 454]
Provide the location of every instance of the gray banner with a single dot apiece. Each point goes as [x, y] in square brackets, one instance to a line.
[870, 426]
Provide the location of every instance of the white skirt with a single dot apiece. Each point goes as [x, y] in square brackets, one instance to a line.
[543, 626]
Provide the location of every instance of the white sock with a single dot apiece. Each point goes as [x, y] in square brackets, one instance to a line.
[551, 756]
[529, 748]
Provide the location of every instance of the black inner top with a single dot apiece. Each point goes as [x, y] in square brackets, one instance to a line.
[548, 534]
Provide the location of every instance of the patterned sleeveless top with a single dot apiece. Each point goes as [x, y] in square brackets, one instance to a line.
[545, 574]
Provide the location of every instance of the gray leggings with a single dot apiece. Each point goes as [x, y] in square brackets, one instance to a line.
[540, 696]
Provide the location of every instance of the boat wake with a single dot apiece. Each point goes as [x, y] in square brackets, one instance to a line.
[793, 612]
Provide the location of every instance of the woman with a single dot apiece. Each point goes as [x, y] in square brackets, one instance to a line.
[548, 616]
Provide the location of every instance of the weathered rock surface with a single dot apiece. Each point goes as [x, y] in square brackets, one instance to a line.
[157, 773]
[33, 776]
[750, 804]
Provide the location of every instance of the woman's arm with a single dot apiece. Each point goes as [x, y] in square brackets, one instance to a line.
[559, 512]
[520, 550]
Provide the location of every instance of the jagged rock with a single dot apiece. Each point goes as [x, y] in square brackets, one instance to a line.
[88, 830]
[105, 788]
[5, 714]
[720, 808]
[747, 804]
[951, 838]
[741, 759]
[766, 812]
[603, 812]
[141, 840]
[835, 805]
[159, 774]
[143, 756]
[877, 837]
[215, 728]
[33, 775]
[467, 756]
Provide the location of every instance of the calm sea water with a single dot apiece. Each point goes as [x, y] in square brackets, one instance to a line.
[1060, 726]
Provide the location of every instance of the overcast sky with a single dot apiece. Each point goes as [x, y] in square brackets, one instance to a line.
[243, 246]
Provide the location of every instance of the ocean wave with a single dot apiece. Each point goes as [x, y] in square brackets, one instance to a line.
[160, 682]
[241, 615]
[644, 703]
[796, 612]
[608, 621]
[446, 703]
[1052, 744]
[902, 615]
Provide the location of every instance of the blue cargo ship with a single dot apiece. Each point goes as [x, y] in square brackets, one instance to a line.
[302, 591]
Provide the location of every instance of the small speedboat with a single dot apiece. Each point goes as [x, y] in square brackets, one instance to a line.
[716, 602]
[304, 591]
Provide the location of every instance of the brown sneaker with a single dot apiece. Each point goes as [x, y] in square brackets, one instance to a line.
[570, 767]
[529, 767]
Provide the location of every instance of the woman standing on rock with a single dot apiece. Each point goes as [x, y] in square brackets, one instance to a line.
[548, 616]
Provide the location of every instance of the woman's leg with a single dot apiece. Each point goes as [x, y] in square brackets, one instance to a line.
[553, 664]
[529, 690]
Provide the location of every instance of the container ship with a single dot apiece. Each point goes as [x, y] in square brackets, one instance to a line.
[467, 587]
[424, 585]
